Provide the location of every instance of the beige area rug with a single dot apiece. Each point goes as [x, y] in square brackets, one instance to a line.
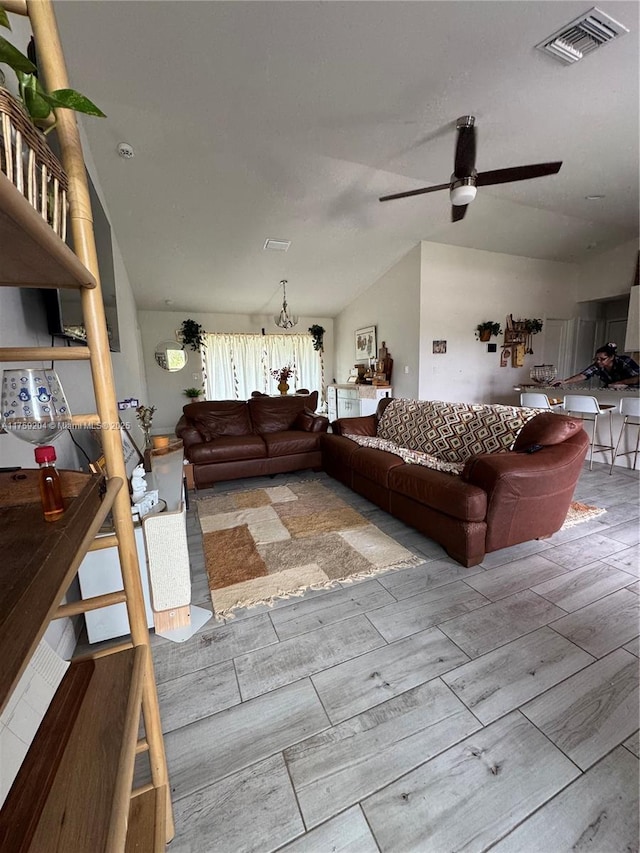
[578, 513]
[264, 544]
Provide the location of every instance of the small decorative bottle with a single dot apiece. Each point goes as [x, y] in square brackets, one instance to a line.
[50, 490]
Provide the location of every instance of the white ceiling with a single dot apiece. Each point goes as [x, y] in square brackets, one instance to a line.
[287, 120]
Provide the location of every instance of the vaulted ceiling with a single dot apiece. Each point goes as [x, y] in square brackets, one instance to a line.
[287, 120]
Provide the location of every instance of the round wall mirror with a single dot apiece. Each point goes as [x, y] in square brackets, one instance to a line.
[170, 356]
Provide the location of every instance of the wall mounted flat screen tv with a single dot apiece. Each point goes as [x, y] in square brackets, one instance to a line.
[63, 308]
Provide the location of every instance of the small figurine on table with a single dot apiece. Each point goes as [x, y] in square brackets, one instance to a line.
[138, 483]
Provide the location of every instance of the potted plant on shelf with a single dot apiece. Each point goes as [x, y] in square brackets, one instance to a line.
[192, 335]
[38, 103]
[193, 393]
[485, 330]
[531, 327]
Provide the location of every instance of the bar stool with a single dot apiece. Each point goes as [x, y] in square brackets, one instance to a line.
[630, 408]
[590, 410]
[538, 400]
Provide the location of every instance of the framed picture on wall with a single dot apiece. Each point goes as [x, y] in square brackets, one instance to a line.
[366, 347]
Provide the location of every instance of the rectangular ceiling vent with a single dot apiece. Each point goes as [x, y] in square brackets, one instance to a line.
[276, 245]
[582, 36]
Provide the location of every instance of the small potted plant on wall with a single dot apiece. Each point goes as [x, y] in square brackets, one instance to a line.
[484, 331]
[192, 393]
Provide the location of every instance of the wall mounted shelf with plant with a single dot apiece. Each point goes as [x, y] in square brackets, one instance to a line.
[487, 329]
[520, 332]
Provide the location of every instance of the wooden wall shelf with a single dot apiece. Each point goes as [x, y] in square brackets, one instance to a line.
[38, 559]
[73, 791]
[70, 790]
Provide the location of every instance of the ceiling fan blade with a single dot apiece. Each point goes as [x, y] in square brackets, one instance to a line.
[465, 156]
[415, 192]
[517, 173]
[458, 211]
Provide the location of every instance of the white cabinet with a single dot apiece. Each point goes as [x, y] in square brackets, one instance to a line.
[348, 404]
[352, 401]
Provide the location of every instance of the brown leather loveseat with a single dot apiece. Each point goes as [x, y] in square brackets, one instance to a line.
[228, 439]
[504, 488]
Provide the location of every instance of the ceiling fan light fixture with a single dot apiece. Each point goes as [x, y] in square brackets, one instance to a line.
[284, 320]
[463, 192]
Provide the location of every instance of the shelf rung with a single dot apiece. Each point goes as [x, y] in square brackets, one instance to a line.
[103, 542]
[45, 354]
[18, 7]
[74, 608]
[86, 421]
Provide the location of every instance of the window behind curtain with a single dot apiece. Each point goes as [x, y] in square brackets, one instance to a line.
[237, 364]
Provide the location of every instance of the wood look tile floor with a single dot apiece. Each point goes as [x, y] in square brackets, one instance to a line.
[431, 709]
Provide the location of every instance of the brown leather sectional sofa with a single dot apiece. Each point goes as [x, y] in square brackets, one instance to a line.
[499, 499]
[228, 439]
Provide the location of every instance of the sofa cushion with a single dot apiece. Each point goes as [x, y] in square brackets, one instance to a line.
[447, 494]
[547, 429]
[215, 418]
[452, 431]
[276, 414]
[290, 442]
[228, 448]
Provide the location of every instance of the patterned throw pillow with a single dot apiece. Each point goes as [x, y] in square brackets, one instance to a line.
[452, 432]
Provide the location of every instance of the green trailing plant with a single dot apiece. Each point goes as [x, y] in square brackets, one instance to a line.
[192, 335]
[532, 327]
[39, 103]
[192, 393]
[317, 333]
[488, 329]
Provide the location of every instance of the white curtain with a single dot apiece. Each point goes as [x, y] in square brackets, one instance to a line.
[236, 365]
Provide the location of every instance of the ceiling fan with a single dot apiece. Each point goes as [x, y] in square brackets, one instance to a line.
[465, 180]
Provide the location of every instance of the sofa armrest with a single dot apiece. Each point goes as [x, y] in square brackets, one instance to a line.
[366, 425]
[188, 433]
[528, 494]
[550, 469]
[310, 422]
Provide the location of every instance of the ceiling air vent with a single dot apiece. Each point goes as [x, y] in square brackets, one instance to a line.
[582, 36]
[276, 245]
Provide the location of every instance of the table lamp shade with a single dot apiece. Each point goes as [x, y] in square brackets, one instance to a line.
[33, 405]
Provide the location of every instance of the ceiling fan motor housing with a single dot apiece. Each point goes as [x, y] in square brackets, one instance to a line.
[463, 190]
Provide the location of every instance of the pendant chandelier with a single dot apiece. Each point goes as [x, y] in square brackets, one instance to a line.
[285, 320]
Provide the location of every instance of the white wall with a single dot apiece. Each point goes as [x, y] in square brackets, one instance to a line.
[391, 305]
[165, 390]
[463, 287]
[609, 274]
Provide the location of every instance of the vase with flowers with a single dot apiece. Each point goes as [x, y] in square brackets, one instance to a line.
[144, 414]
[282, 374]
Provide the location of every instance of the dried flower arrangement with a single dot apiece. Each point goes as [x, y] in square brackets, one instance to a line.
[282, 373]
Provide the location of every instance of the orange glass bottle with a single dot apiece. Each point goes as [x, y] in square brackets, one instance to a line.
[50, 489]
